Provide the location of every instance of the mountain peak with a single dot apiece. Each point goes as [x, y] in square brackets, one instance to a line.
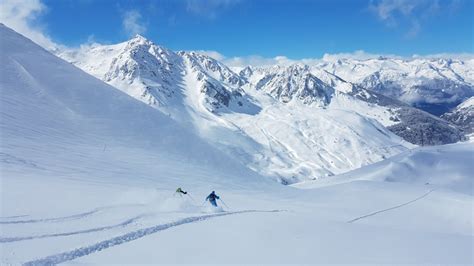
[139, 40]
[139, 37]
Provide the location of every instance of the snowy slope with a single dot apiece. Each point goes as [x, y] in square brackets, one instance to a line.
[142, 70]
[255, 123]
[439, 167]
[49, 104]
[287, 83]
[88, 176]
[434, 85]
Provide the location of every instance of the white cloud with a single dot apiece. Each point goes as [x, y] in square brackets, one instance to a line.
[459, 56]
[253, 60]
[209, 8]
[132, 23]
[415, 28]
[256, 60]
[259, 61]
[410, 13]
[388, 10]
[362, 55]
[214, 54]
[23, 17]
[358, 55]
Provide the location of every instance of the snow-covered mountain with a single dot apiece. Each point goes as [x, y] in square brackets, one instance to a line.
[220, 88]
[48, 106]
[153, 74]
[463, 116]
[88, 176]
[317, 85]
[433, 85]
[294, 82]
[292, 125]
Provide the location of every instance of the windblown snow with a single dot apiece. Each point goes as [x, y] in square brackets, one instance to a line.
[88, 174]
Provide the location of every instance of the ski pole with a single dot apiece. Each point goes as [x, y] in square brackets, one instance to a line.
[191, 198]
[224, 204]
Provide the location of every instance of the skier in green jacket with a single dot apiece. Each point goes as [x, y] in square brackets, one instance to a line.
[179, 190]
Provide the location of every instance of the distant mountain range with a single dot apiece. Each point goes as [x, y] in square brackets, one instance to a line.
[433, 85]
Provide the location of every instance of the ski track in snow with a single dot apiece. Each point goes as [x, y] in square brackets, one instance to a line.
[103, 228]
[392, 208]
[134, 235]
[62, 219]
[56, 219]
[14, 216]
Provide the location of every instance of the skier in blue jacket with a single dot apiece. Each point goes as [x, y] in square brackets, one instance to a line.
[212, 198]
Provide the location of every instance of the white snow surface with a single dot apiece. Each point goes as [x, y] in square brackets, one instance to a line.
[88, 176]
[467, 104]
[441, 167]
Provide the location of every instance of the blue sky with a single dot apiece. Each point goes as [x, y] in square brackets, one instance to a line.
[293, 28]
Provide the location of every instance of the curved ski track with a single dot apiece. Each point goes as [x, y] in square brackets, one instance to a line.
[391, 208]
[63, 218]
[131, 236]
[103, 228]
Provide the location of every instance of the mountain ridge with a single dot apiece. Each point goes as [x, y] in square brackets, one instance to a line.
[201, 92]
[201, 80]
